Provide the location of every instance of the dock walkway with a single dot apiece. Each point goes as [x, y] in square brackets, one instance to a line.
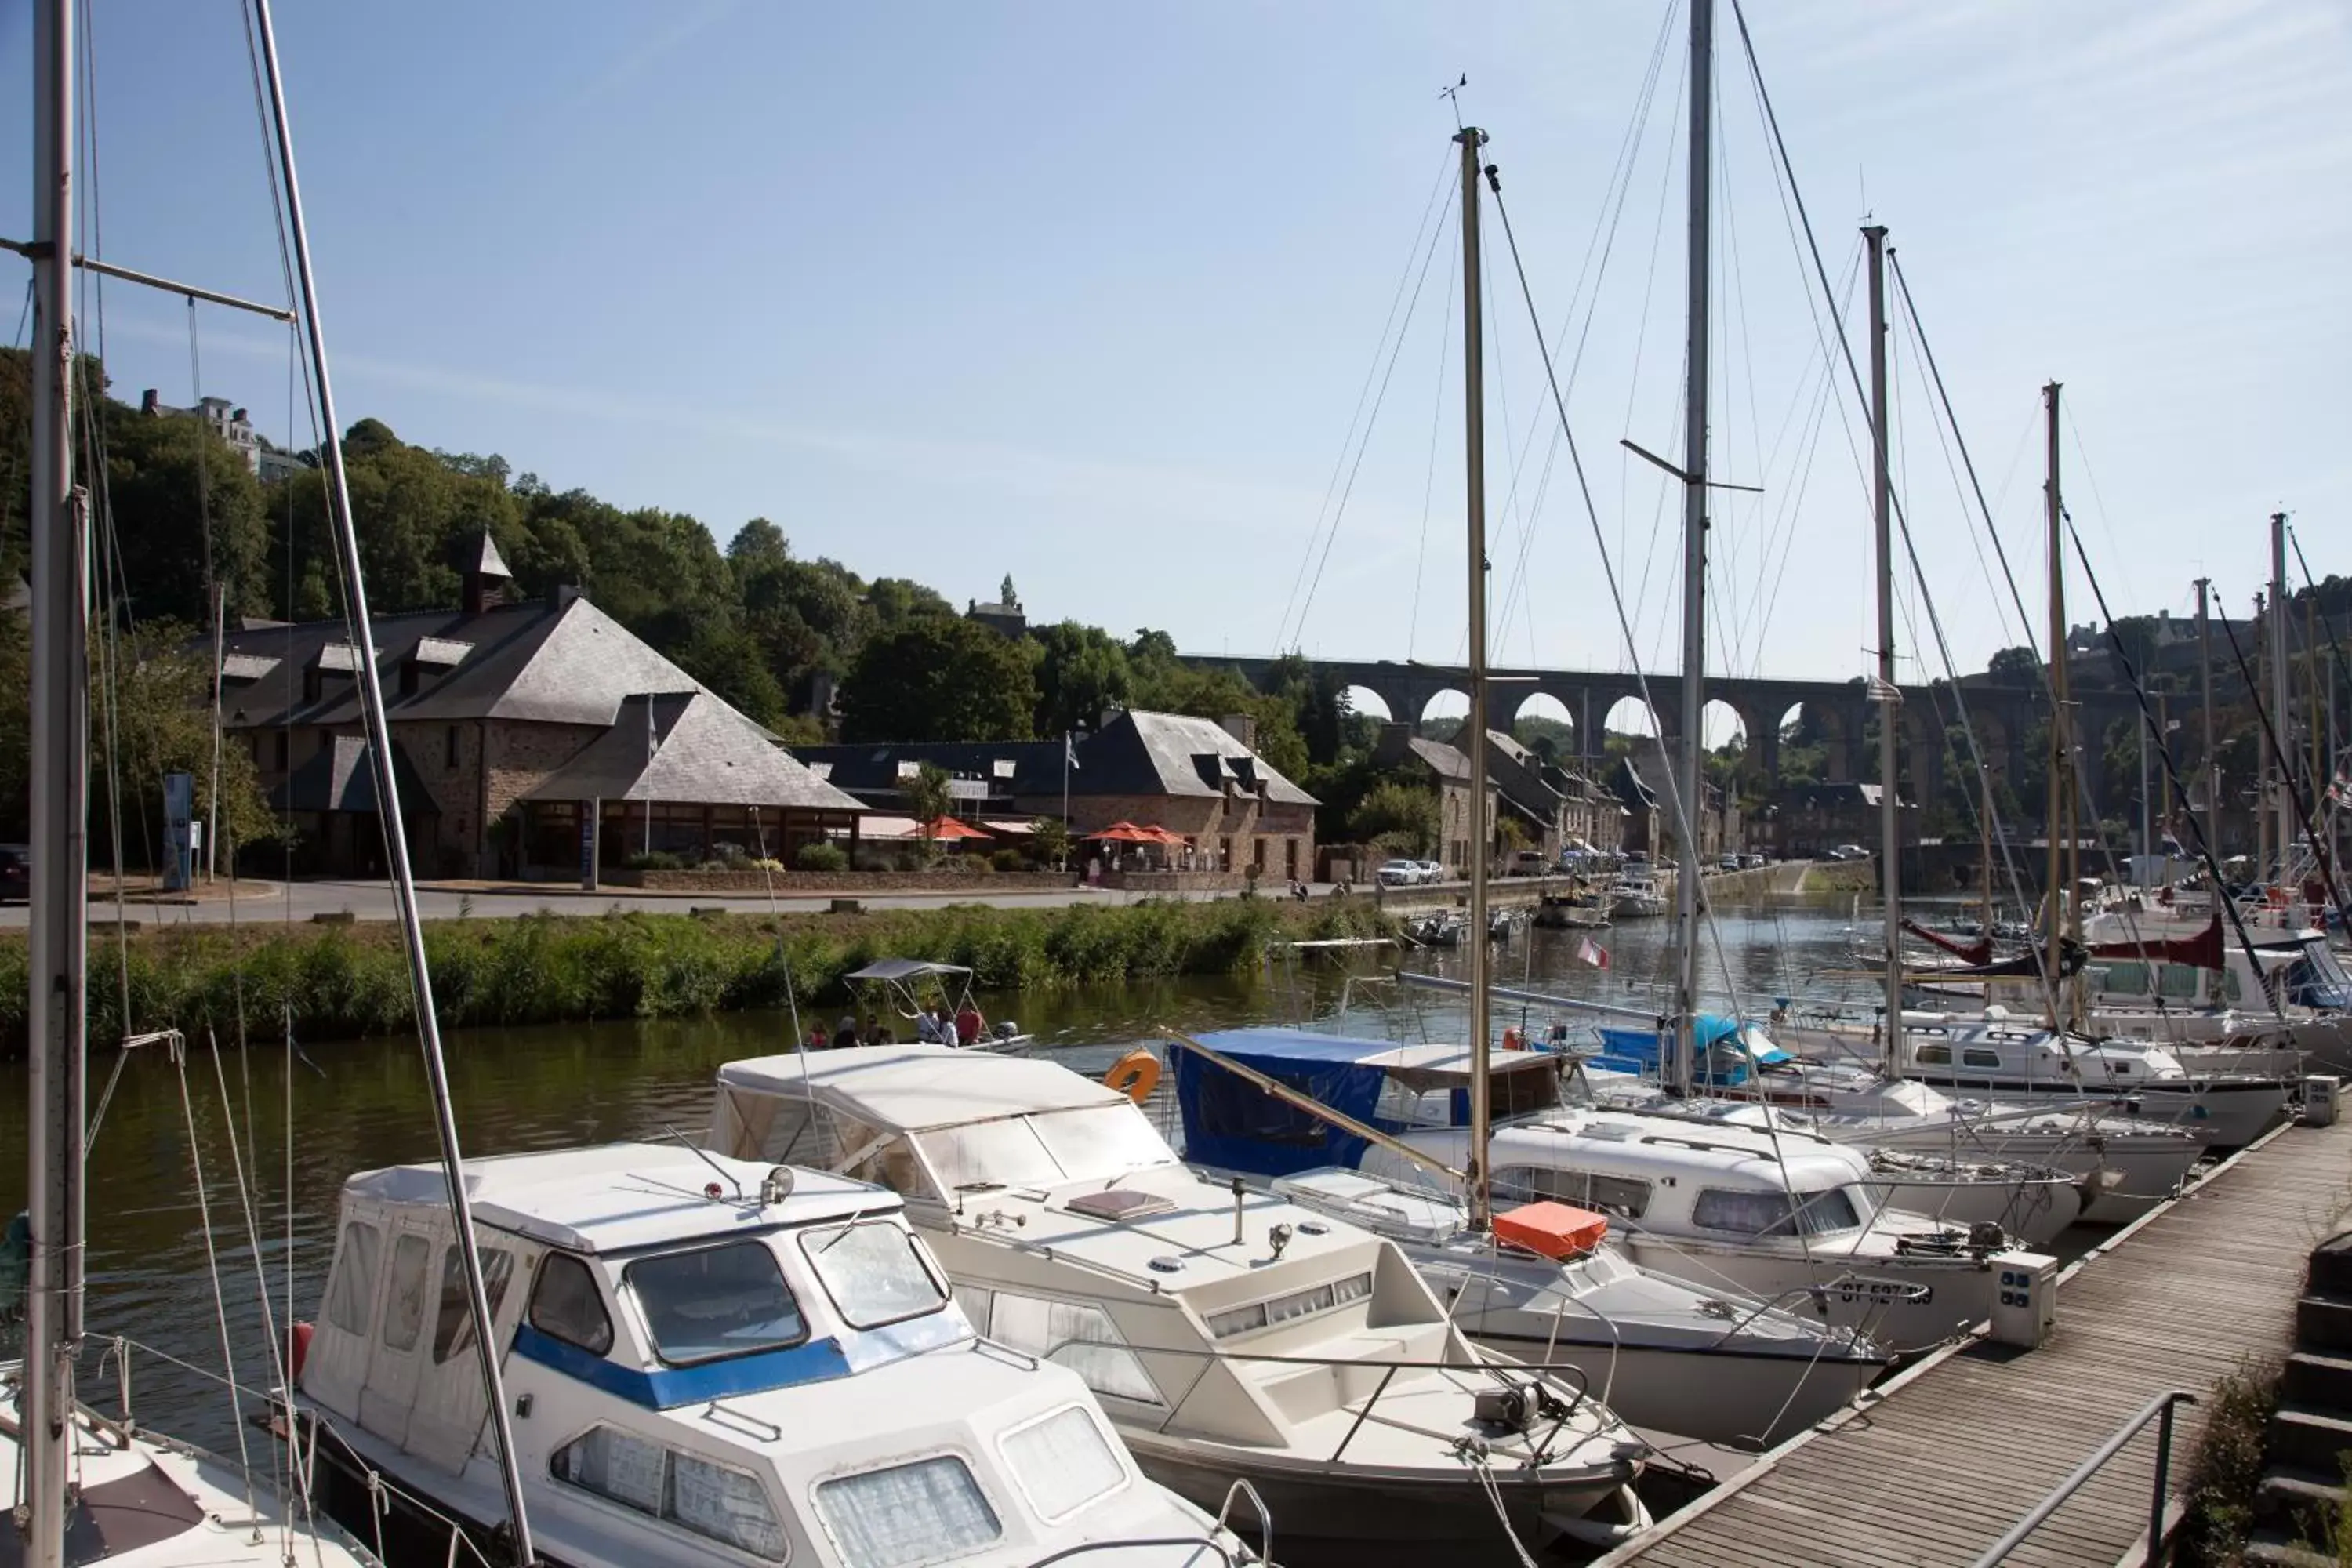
[1964, 1445]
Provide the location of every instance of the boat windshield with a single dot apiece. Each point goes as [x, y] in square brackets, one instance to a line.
[2317, 980]
[1046, 1149]
[1825, 1213]
[715, 1302]
[874, 1273]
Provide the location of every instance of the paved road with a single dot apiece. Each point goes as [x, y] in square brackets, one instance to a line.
[373, 901]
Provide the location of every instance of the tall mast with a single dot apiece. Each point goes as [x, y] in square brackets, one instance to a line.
[1889, 699]
[1474, 435]
[2281, 675]
[2205, 722]
[59, 935]
[2055, 902]
[387, 795]
[2262, 747]
[1688, 785]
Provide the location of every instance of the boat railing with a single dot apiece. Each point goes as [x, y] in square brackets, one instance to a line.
[1146, 1543]
[1509, 1373]
[2158, 1410]
[1910, 1295]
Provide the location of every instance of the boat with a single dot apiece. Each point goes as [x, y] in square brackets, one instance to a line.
[1439, 927]
[1635, 898]
[1713, 1365]
[82, 1486]
[1229, 1333]
[707, 1360]
[1570, 911]
[913, 988]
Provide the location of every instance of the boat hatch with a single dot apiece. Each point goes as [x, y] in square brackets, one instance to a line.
[1119, 1204]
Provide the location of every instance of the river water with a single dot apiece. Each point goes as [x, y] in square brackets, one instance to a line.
[358, 1105]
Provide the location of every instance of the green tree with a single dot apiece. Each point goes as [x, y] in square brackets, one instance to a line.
[1051, 835]
[2016, 666]
[1081, 672]
[937, 679]
[928, 799]
[729, 662]
[159, 720]
[174, 484]
[1396, 814]
[1005, 595]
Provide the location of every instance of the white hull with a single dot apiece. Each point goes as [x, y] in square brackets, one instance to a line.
[1736, 1398]
[2032, 1211]
[2129, 1176]
[1863, 1294]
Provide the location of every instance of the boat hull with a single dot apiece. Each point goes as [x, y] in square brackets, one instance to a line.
[1865, 1293]
[2032, 1210]
[1740, 1399]
[2126, 1177]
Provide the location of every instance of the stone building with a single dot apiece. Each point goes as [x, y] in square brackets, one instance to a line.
[486, 702]
[1809, 820]
[1651, 828]
[1196, 777]
[1404, 749]
[232, 424]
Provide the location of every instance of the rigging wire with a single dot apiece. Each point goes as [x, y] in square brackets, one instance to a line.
[1359, 427]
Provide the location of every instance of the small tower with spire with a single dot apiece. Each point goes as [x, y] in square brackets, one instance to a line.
[485, 570]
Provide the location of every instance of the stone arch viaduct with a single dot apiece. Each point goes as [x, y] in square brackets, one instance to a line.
[2003, 714]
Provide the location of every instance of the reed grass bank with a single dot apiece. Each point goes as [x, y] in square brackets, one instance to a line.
[341, 982]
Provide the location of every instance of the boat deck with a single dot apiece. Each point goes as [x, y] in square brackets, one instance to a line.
[1962, 1446]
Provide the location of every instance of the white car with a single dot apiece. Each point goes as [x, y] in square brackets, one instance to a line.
[1399, 874]
[1432, 871]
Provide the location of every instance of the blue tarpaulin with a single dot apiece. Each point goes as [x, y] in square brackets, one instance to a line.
[1233, 1125]
[1726, 1050]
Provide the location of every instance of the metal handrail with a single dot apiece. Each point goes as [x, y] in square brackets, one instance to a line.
[2159, 1410]
[1242, 1490]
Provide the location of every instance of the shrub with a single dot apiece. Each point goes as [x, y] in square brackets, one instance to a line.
[822, 857]
[656, 860]
[1007, 860]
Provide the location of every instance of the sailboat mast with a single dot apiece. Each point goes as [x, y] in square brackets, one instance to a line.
[59, 934]
[2054, 899]
[1889, 699]
[2205, 721]
[387, 795]
[1474, 435]
[1688, 783]
[2281, 675]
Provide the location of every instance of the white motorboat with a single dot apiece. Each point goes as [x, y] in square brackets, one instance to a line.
[934, 1001]
[1715, 1364]
[1230, 1334]
[1770, 1213]
[707, 1361]
[1635, 898]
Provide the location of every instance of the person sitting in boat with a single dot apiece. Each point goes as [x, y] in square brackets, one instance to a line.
[845, 1032]
[817, 1039]
[877, 1032]
[968, 1023]
[934, 1026]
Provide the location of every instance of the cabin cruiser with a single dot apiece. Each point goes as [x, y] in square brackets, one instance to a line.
[1772, 1214]
[708, 1360]
[1635, 898]
[1439, 927]
[1417, 1096]
[1230, 1334]
[1713, 1365]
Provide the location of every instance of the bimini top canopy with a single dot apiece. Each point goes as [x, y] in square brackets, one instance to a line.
[911, 1089]
[1232, 1125]
[621, 1196]
[900, 969]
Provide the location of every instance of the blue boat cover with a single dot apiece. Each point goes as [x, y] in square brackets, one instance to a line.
[1727, 1049]
[1233, 1125]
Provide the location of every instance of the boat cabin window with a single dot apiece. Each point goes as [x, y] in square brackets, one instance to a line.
[350, 1300]
[715, 1302]
[1047, 1149]
[874, 1272]
[403, 1314]
[2230, 990]
[568, 1306]
[2129, 979]
[1626, 1196]
[1977, 1056]
[685, 1490]
[1068, 1333]
[1932, 1056]
[453, 1331]
[1311, 1303]
[1775, 1213]
[1063, 1462]
[926, 1511]
[2177, 981]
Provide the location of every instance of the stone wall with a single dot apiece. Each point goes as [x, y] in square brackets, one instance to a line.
[516, 756]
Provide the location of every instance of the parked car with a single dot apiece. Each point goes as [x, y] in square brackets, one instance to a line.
[16, 872]
[1528, 863]
[1848, 852]
[1726, 862]
[1432, 870]
[1637, 858]
[1398, 874]
[1751, 861]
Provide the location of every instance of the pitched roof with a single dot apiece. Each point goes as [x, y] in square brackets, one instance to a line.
[874, 765]
[566, 663]
[487, 562]
[1174, 753]
[340, 776]
[689, 747]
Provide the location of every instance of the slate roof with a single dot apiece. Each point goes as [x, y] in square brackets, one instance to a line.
[1173, 753]
[566, 663]
[689, 747]
[1397, 745]
[340, 776]
[873, 766]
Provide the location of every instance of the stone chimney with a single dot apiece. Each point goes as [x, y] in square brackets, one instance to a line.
[485, 572]
[150, 403]
[1241, 727]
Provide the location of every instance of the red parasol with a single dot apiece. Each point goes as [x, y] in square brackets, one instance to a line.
[1127, 832]
[948, 828]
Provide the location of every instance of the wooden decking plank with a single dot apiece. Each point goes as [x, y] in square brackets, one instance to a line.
[1970, 1444]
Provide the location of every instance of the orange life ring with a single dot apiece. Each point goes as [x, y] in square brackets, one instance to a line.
[1134, 1075]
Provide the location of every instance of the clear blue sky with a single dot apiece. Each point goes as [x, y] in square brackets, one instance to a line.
[1087, 294]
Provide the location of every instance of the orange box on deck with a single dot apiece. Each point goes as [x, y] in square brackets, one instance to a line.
[1554, 1230]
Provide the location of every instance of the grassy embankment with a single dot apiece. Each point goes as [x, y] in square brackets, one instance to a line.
[344, 981]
